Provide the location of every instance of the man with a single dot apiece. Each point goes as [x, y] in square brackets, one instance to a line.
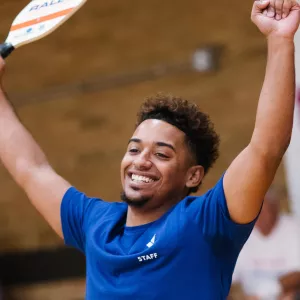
[159, 243]
[269, 264]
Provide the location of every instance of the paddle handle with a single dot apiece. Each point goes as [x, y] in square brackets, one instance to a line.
[6, 49]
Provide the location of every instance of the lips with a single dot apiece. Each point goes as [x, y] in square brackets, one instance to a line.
[142, 177]
[141, 180]
[138, 178]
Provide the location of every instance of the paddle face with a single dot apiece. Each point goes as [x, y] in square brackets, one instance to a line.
[39, 18]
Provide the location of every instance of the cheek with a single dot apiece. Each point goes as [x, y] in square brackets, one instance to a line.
[126, 161]
[172, 174]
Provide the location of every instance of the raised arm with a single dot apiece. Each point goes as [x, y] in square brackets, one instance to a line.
[28, 165]
[251, 173]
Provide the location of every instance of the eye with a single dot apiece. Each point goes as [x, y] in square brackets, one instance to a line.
[133, 150]
[161, 155]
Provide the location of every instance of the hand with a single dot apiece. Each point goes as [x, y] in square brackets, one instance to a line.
[279, 18]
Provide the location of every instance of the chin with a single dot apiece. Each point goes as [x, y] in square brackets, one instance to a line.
[136, 200]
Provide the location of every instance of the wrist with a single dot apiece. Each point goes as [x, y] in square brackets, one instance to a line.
[281, 44]
[280, 40]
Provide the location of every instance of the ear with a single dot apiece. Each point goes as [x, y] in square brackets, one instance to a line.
[195, 175]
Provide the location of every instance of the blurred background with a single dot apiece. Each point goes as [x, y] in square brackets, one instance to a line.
[78, 91]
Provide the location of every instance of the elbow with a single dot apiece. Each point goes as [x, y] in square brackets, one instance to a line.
[283, 145]
[274, 147]
[272, 155]
[25, 171]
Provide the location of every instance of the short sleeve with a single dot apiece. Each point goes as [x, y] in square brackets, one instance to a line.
[212, 216]
[77, 210]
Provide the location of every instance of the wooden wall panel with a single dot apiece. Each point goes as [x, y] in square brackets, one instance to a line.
[84, 134]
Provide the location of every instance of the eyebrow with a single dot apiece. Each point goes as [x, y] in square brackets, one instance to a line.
[160, 144]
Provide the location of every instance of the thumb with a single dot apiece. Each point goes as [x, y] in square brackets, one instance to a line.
[259, 6]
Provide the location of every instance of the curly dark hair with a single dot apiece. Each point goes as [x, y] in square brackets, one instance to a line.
[201, 137]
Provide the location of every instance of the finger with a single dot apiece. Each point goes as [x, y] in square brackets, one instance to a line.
[271, 9]
[278, 9]
[265, 12]
[286, 7]
[260, 6]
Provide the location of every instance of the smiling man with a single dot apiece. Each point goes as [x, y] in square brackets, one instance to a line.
[173, 146]
[160, 242]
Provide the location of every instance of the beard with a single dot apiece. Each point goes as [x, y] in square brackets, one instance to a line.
[135, 203]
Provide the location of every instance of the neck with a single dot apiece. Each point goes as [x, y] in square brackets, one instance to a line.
[137, 216]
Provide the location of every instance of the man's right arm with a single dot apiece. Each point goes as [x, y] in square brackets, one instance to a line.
[27, 164]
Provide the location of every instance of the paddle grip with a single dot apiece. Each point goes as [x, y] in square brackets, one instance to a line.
[6, 49]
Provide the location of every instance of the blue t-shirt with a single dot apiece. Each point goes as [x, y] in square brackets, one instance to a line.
[189, 253]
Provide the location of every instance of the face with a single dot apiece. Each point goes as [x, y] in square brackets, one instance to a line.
[158, 166]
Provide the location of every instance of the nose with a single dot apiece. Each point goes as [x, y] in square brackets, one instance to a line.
[142, 162]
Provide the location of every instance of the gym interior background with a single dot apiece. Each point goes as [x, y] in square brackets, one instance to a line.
[78, 91]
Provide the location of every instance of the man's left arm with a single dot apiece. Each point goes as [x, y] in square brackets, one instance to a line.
[252, 172]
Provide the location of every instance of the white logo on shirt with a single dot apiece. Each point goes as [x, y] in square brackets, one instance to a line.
[147, 257]
[151, 243]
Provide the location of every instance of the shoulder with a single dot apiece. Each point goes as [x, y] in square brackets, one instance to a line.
[90, 206]
[214, 195]
[81, 215]
[205, 207]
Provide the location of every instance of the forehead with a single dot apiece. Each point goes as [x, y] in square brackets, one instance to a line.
[159, 131]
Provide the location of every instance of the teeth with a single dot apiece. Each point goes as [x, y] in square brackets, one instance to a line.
[138, 178]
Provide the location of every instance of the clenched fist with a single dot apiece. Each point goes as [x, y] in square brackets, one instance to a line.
[276, 17]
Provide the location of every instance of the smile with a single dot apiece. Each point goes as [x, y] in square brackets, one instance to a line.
[144, 179]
